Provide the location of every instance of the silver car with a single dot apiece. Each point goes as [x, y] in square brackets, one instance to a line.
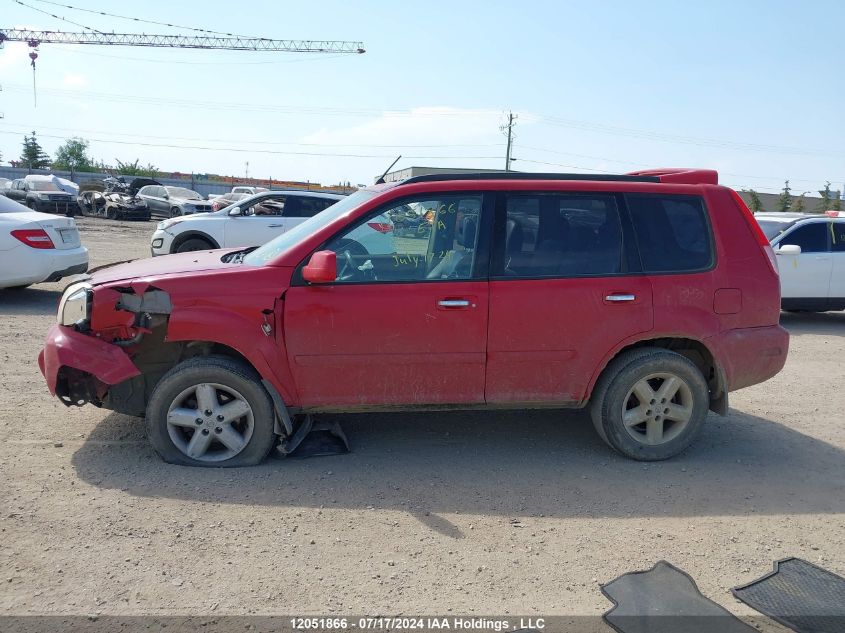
[170, 202]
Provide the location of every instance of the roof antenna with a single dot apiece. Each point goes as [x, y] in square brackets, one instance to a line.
[380, 180]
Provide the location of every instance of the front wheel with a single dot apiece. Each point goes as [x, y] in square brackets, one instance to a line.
[174, 212]
[650, 404]
[193, 244]
[211, 411]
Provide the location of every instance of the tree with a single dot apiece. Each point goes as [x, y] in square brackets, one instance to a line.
[33, 155]
[755, 204]
[799, 204]
[73, 156]
[784, 199]
[135, 168]
[825, 194]
[837, 205]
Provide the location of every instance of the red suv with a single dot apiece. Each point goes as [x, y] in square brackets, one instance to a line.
[647, 297]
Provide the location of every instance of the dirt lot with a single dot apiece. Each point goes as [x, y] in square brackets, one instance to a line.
[430, 514]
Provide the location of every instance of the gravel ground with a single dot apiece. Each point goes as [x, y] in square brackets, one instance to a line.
[462, 513]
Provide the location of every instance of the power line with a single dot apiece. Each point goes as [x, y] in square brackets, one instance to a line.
[143, 20]
[58, 17]
[76, 131]
[257, 151]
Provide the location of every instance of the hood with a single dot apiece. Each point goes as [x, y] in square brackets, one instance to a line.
[167, 266]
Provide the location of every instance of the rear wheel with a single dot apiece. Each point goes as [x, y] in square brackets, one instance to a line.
[211, 411]
[650, 404]
[193, 244]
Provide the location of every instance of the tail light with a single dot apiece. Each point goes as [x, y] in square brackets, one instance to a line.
[762, 240]
[381, 227]
[36, 238]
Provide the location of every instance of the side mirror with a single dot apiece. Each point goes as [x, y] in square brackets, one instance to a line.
[165, 195]
[321, 268]
[789, 249]
[235, 211]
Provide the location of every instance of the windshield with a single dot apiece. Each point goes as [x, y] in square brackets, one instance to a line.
[773, 228]
[43, 185]
[276, 247]
[181, 192]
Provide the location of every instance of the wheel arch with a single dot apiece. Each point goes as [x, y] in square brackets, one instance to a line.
[693, 349]
[191, 234]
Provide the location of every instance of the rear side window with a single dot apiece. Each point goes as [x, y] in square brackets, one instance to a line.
[672, 232]
[812, 238]
[837, 236]
[562, 235]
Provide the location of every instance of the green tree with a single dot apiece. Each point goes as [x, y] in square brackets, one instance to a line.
[136, 169]
[73, 156]
[755, 204]
[837, 205]
[799, 204]
[785, 198]
[33, 155]
[824, 205]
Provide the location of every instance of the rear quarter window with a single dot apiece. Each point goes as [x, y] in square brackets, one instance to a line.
[673, 234]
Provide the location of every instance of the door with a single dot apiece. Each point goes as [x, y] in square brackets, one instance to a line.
[260, 221]
[17, 192]
[405, 322]
[836, 294]
[562, 294]
[805, 278]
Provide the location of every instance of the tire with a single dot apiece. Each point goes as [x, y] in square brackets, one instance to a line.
[193, 244]
[175, 212]
[176, 398]
[646, 371]
[111, 213]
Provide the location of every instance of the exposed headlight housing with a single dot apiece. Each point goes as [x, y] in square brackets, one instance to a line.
[75, 304]
[44, 196]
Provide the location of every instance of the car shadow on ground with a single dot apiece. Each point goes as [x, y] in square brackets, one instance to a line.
[29, 301]
[799, 323]
[530, 463]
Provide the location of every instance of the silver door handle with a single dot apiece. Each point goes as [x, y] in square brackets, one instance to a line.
[453, 303]
[620, 298]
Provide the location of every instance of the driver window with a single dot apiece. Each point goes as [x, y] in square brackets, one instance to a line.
[431, 238]
[265, 206]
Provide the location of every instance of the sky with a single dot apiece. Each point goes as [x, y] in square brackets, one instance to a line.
[752, 88]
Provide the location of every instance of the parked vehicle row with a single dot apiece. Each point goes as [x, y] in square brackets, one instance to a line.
[497, 306]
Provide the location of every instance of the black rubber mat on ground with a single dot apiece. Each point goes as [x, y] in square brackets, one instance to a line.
[806, 598]
[665, 599]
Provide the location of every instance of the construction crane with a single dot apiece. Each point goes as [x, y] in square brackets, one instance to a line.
[235, 43]
[35, 38]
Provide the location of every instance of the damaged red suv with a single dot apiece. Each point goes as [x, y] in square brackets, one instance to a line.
[646, 297]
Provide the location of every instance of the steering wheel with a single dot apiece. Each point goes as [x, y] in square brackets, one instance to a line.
[348, 265]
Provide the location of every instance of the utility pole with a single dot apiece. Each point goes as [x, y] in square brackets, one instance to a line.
[507, 129]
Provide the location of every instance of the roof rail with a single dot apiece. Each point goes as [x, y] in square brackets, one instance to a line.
[521, 175]
[681, 175]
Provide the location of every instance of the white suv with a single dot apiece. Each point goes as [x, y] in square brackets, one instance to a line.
[810, 251]
[251, 222]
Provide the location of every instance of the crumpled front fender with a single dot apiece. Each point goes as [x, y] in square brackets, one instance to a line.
[65, 347]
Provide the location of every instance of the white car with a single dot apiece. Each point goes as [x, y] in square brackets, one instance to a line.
[810, 251]
[253, 221]
[36, 247]
[249, 190]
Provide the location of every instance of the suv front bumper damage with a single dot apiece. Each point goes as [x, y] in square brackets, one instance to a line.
[79, 368]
